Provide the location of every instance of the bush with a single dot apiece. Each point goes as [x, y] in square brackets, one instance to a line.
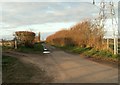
[38, 47]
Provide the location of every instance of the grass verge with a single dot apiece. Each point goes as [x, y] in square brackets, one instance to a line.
[14, 71]
[92, 53]
[37, 48]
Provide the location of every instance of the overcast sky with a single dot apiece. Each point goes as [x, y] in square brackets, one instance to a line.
[45, 17]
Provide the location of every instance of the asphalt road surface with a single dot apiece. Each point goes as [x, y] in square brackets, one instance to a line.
[70, 68]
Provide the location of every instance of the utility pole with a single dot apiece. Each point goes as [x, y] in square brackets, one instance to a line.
[100, 21]
[103, 17]
[15, 39]
[102, 14]
[93, 2]
[115, 37]
[15, 43]
[107, 43]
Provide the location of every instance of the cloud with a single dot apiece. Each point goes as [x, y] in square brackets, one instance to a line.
[26, 13]
[45, 29]
[17, 14]
[21, 14]
[54, 0]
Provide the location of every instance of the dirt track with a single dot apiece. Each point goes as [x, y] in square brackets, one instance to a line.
[69, 68]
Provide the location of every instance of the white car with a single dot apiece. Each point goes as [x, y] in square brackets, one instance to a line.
[46, 51]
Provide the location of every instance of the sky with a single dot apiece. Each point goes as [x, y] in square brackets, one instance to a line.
[46, 17]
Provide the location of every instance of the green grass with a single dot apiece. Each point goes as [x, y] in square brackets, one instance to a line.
[6, 48]
[14, 71]
[100, 53]
[80, 49]
[37, 48]
[89, 52]
[74, 49]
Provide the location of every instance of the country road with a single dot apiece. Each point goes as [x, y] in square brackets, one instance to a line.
[69, 68]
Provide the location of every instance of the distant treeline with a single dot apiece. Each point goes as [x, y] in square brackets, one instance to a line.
[83, 34]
